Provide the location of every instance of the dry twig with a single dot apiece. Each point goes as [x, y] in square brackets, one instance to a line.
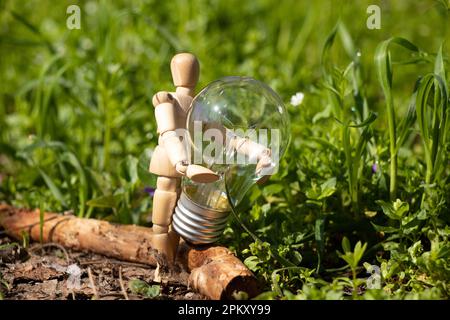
[122, 287]
[91, 281]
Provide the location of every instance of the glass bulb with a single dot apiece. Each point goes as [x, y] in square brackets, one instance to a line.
[239, 128]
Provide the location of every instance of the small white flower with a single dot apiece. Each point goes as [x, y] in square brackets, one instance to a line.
[297, 99]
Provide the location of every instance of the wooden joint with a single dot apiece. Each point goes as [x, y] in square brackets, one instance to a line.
[157, 229]
[168, 184]
[162, 97]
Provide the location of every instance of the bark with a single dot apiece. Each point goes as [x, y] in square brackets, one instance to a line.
[215, 271]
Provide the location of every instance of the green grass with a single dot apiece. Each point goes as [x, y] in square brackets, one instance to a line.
[366, 180]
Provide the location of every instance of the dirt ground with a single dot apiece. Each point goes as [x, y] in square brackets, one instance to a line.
[50, 271]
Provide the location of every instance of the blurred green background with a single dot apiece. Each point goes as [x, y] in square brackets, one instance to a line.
[77, 125]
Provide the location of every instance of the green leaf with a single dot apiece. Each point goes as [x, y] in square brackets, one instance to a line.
[366, 122]
[272, 189]
[327, 188]
[275, 277]
[53, 187]
[297, 257]
[395, 210]
[359, 252]
[73, 160]
[439, 67]
[252, 263]
[326, 65]
[109, 201]
[384, 229]
[153, 291]
[410, 225]
[268, 295]
[319, 231]
[346, 245]
[415, 250]
[147, 178]
[348, 257]
[324, 114]
[346, 40]
[432, 120]
[400, 208]
[388, 269]
[141, 287]
[128, 169]
[406, 124]
[353, 258]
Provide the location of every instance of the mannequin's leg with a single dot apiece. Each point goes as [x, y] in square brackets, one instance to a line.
[165, 240]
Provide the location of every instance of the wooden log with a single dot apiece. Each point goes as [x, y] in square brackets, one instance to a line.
[215, 271]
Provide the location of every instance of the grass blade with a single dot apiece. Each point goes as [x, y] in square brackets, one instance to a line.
[53, 187]
[384, 73]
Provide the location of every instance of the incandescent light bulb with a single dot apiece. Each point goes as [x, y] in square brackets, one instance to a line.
[239, 128]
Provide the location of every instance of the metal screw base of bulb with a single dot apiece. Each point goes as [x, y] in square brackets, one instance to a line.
[196, 224]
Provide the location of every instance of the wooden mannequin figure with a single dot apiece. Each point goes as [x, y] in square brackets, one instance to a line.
[170, 158]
